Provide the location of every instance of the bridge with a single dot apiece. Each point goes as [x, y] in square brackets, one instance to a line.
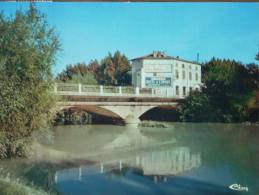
[127, 103]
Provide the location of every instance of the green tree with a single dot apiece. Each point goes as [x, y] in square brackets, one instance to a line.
[87, 79]
[27, 51]
[229, 87]
[196, 108]
[253, 72]
[115, 69]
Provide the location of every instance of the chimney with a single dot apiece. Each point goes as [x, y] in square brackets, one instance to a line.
[155, 54]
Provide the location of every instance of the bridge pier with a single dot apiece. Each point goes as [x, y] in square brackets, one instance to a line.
[129, 113]
[130, 119]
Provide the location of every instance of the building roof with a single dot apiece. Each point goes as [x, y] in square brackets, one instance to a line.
[158, 55]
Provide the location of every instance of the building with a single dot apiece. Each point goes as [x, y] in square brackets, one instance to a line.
[164, 73]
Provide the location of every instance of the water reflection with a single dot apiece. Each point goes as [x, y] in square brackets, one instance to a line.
[125, 160]
[156, 163]
[168, 162]
[183, 159]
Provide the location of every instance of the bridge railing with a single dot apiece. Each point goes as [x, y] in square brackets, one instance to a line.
[90, 88]
[100, 90]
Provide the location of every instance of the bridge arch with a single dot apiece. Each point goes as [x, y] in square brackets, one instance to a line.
[92, 110]
[161, 113]
[129, 114]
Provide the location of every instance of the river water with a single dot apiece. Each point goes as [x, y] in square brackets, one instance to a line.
[182, 159]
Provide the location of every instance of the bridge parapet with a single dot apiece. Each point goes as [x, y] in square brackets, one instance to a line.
[100, 90]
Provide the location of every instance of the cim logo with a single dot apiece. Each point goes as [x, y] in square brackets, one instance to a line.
[238, 187]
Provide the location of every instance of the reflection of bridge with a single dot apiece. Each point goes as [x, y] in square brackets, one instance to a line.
[156, 163]
[127, 103]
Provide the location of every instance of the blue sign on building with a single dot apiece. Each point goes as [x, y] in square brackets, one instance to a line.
[158, 82]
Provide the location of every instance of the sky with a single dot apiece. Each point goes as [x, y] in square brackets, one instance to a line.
[91, 30]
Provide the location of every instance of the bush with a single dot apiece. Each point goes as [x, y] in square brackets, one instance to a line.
[196, 108]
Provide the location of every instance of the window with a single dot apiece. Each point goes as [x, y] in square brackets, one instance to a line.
[196, 68]
[190, 75]
[183, 74]
[196, 76]
[176, 64]
[154, 74]
[177, 90]
[184, 90]
[190, 90]
[182, 65]
[190, 67]
[176, 74]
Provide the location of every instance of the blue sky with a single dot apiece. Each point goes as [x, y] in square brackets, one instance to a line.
[90, 30]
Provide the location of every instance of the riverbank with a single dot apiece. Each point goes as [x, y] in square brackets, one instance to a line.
[10, 186]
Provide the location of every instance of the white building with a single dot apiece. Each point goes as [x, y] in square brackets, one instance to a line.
[164, 73]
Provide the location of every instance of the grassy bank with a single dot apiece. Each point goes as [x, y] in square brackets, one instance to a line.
[15, 187]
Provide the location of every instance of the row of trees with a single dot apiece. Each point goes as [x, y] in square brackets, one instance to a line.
[230, 93]
[112, 70]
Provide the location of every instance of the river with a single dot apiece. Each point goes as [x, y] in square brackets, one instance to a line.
[184, 158]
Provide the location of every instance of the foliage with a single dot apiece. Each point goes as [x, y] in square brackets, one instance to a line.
[195, 108]
[253, 74]
[80, 70]
[114, 70]
[27, 52]
[8, 187]
[228, 88]
[88, 78]
[69, 116]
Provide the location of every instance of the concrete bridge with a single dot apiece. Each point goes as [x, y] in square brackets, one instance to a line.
[127, 103]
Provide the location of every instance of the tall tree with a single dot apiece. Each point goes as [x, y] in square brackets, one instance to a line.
[27, 51]
[115, 70]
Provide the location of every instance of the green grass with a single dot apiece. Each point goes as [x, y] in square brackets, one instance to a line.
[15, 187]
